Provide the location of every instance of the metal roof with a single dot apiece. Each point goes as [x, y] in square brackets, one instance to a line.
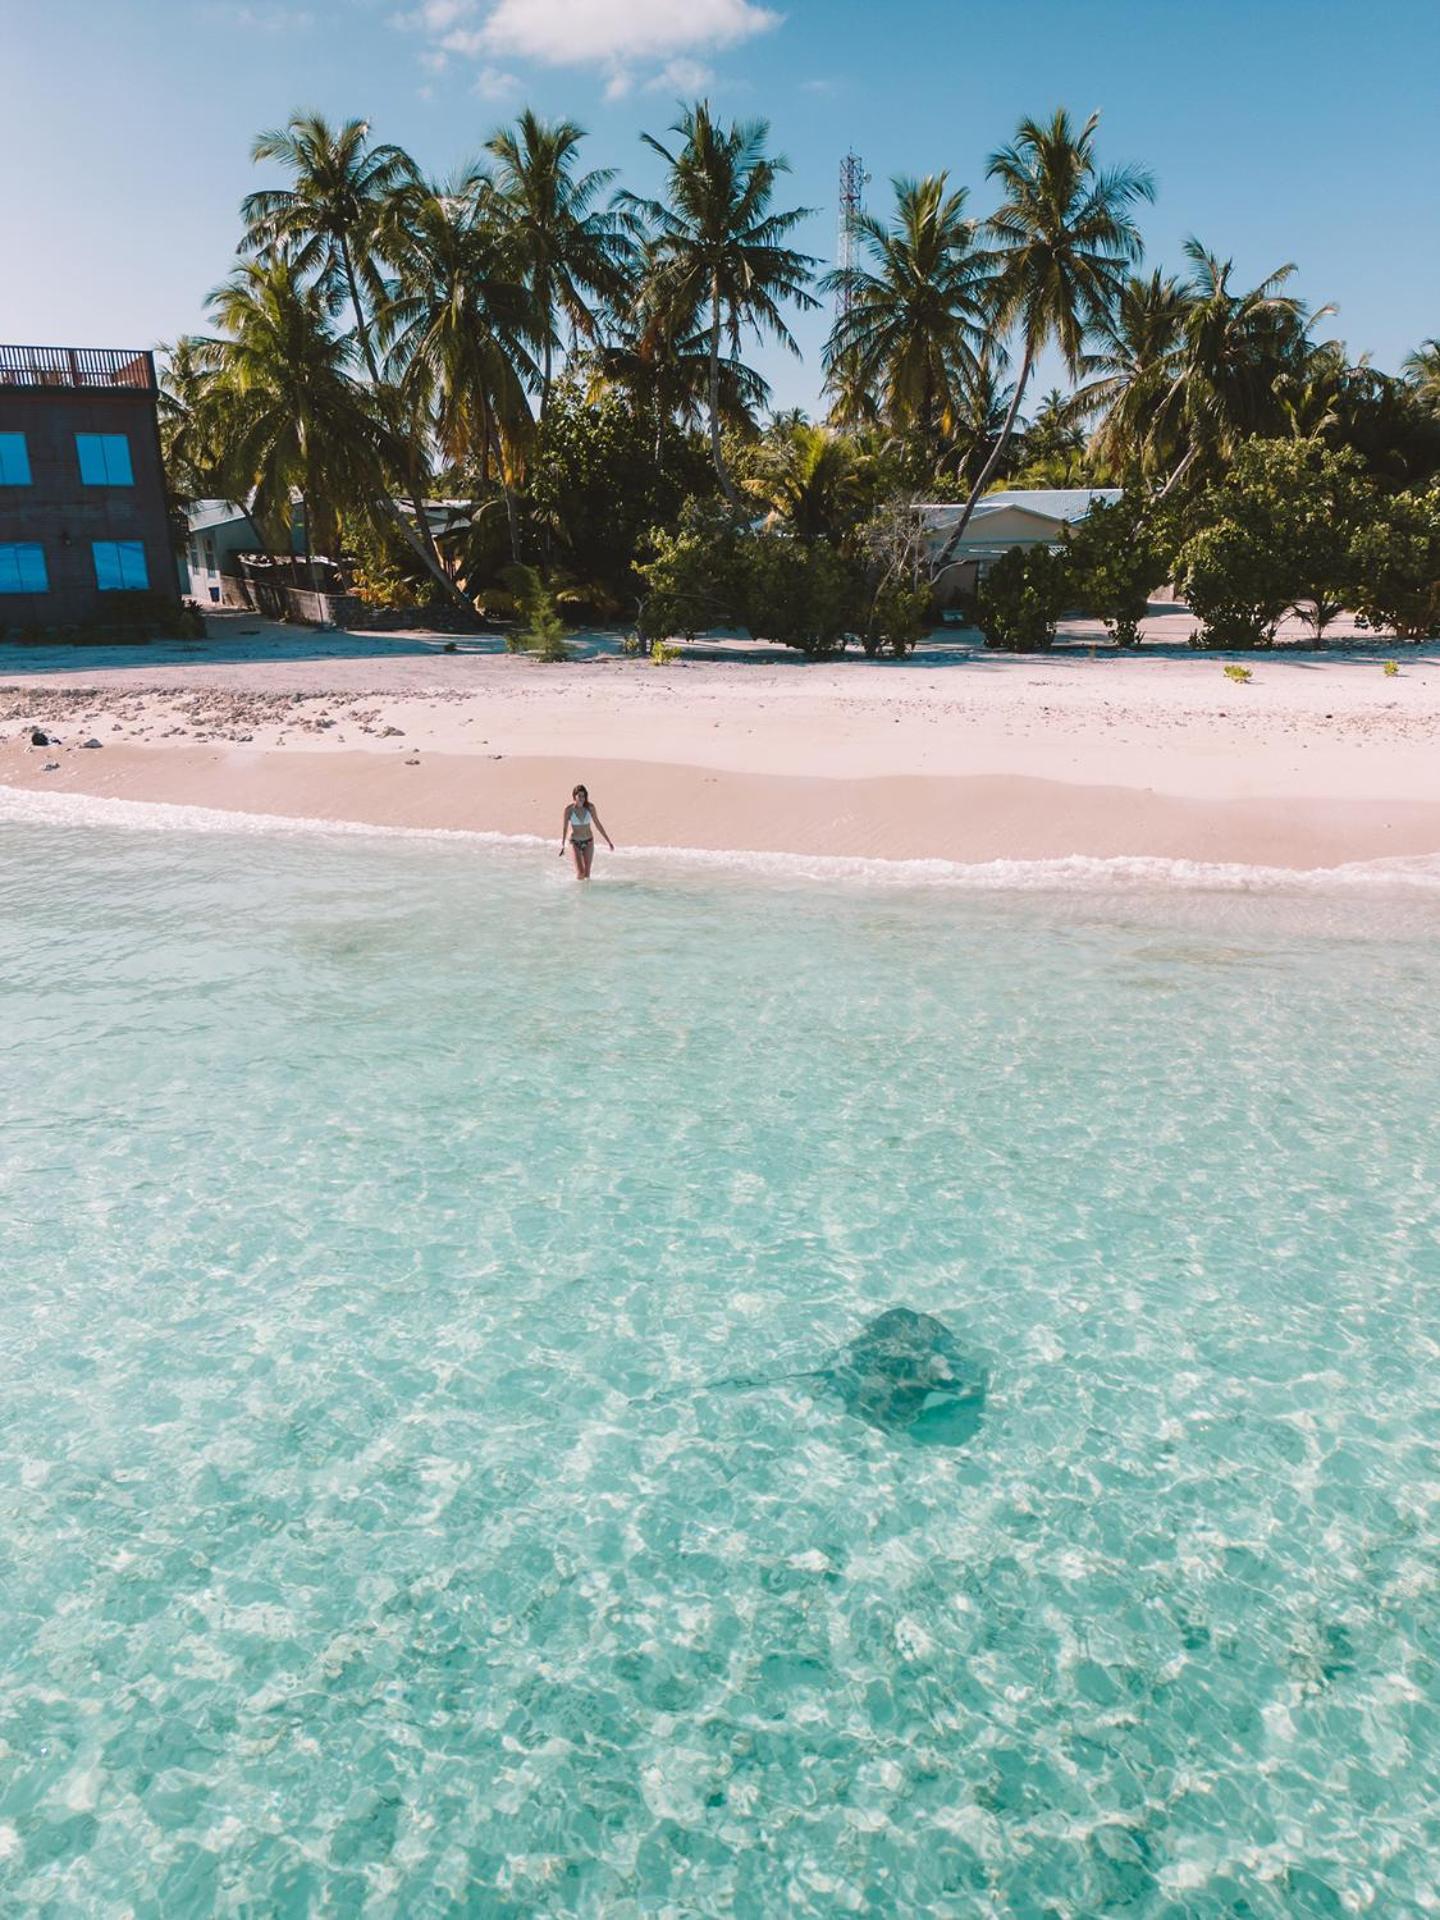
[1060, 504]
[202, 515]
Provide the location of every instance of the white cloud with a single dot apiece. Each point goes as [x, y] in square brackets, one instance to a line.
[661, 38]
[567, 33]
[682, 76]
[494, 83]
[270, 19]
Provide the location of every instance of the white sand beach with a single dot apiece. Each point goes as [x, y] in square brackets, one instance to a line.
[1321, 758]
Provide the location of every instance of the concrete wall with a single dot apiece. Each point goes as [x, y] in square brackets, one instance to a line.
[59, 513]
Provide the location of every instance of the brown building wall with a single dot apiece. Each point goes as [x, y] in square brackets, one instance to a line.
[58, 512]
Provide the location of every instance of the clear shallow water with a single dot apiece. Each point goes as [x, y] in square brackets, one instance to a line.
[373, 1215]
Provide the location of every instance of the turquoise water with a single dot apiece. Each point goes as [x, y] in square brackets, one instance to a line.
[374, 1217]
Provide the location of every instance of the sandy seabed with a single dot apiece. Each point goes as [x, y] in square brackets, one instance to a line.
[1322, 758]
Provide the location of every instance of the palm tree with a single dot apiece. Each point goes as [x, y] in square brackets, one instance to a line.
[327, 222]
[183, 413]
[571, 255]
[1421, 370]
[664, 372]
[290, 414]
[715, 249]
[1130, 365]
[809, 478]
[460, 330]
[1065, 234]
[1235, 346]
[907, 339]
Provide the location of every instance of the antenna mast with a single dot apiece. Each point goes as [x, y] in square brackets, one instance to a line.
[852, 204]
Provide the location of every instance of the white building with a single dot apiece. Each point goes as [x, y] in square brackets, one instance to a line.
[1024, 517]
[218, 531]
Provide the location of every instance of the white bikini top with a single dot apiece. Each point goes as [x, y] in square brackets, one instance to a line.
[579, 816]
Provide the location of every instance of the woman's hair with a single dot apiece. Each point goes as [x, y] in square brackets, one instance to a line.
[576, 791]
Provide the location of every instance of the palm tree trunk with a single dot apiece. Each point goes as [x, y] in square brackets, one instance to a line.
[726, 486]
[947, 552]
[362, 332]
[512, 516]
[309, 543]
[430, 559]
[1177, 476]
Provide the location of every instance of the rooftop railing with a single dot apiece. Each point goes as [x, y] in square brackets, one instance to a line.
[87, 367]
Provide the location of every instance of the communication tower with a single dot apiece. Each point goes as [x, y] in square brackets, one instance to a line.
[853, 178]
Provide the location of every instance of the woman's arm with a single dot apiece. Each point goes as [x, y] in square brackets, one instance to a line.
[564, 830]
[601, 824]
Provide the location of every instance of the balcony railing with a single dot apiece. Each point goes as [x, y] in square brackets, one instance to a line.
[89, 367]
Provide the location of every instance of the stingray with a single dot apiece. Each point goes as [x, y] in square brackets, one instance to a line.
[903, 1373]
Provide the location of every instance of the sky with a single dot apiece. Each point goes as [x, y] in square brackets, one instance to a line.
[1275, 130]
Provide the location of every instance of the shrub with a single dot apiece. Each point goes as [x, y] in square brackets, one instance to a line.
[806, 597]
[1116, 557]
[543, 631]
[1242, 676]
[713, 570]
[1236, 585]
[1397, 561]
[695, 576]
[381, 586]
[897, 620]
[1021, 599]
[663, 655]
[1280, 530]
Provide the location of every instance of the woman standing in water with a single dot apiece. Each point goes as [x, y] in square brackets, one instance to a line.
[580, 824]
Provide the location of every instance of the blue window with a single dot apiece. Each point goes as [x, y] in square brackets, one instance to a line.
[119, 564]
[14, 460]
[104, 459]
[22, 570]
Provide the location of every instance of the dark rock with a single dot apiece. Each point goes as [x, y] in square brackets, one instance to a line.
[39, 738]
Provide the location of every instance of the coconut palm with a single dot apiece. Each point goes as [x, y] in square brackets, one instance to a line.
[288, 409]
[1421, 371]
[715, 251]
[571, 254]
[460, 330]
[326, 223]
[186, 438]
[1133, 356]
[912, 322]
[808, 478]
[1234, 350]
[663, 370]
[1064, 236]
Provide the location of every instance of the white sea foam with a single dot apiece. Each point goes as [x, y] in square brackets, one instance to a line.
[1418, 873]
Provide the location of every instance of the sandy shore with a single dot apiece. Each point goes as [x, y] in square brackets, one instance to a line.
[1321, 758]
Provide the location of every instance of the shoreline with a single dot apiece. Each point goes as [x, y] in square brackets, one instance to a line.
[1319, 762]
[961, 820]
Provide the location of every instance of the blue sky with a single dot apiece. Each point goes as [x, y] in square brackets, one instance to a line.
[1276, 130]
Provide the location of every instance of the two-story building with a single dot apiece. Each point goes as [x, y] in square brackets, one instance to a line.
[83, 510]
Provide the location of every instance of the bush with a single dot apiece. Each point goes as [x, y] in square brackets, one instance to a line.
[1281, 529]
[1116, 557]
[1236, 586]
[1021, 599]
[1397, 561]
[806, 597]
[898, 618]
[695, 576]
[543, 631]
